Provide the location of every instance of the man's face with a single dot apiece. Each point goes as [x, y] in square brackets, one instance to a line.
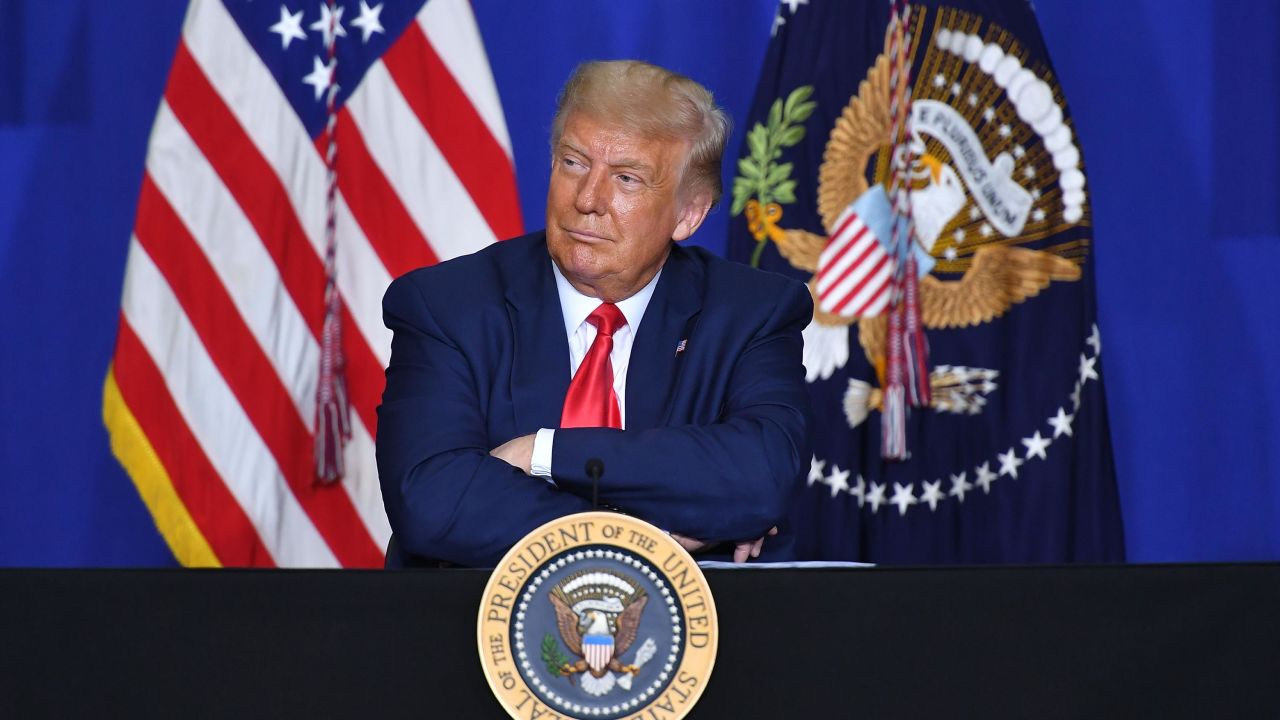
[615, 204]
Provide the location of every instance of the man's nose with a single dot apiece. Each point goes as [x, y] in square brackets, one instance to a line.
[593, 192]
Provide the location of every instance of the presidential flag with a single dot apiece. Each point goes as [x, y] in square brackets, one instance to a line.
[303, 156]
[1009, 458]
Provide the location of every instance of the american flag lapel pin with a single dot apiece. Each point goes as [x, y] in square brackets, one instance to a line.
[681, 346]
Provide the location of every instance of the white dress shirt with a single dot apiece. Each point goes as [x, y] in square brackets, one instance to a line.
[576, 307]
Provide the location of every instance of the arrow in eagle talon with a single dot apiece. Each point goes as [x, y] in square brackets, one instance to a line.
[643, 655]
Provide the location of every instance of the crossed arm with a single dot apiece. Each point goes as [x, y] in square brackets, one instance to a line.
[448, 497]
[518, 453]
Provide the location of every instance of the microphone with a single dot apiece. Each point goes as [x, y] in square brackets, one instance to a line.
[595, 468]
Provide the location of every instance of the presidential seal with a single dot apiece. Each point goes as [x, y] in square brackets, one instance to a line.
[597, 615]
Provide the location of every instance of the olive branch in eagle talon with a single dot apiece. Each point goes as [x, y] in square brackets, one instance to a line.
[763, 183]
[556, 661]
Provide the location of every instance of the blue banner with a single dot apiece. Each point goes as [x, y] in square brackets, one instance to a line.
[1012, 460]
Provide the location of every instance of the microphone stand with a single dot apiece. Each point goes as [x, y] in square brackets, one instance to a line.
[594, 469]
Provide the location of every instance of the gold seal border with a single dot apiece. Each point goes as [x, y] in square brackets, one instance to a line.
[527, 558]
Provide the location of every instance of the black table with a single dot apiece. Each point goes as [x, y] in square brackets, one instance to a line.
[1033, 642]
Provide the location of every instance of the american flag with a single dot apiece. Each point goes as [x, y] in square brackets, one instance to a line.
[210, 399]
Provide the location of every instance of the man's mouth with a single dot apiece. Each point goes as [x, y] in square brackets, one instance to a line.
[586, 236]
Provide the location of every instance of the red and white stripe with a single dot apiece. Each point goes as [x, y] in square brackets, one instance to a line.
[223, 305]
[855, 272]
[598, 654]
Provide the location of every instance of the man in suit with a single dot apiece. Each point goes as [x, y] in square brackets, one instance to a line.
[599, 338]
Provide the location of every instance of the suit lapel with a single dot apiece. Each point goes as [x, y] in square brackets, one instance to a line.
[654, 366]
[540, 364]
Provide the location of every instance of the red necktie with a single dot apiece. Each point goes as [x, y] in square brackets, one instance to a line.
[591, 401]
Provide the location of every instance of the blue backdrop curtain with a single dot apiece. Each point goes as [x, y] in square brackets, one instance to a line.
[1176, 110]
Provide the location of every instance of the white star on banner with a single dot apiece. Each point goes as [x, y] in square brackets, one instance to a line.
[778, 21]
[838, 480]
[289, 28]
[1036, 446]
[794, 4]
[368, 21]
[1087, 370]
[903, 496]
[326, 20]
[859, 490]
[815, 470]
[960, 486]
[932, 494]
[320, 77]
[1009, 463]
[1075, 395]
[875, 498]
[1061, 423]
[1095, 340]
[985, 477]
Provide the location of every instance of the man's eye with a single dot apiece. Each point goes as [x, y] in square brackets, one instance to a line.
[570, 162]
[628, 179]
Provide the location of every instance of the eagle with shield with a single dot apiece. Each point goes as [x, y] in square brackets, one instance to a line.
[994, 178]
[598, 615]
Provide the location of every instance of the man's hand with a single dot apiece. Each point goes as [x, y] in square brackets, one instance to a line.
[688, 543]
[751, 548]
[517, 453]
[741, 550]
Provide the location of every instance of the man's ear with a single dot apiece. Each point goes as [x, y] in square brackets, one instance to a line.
[692, 213]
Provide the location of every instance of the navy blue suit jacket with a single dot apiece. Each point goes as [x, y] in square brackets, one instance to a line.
[717, 435]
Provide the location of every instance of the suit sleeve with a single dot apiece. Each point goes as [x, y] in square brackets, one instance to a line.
[730, 480]
[445, 496]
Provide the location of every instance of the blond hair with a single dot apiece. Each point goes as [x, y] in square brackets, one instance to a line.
[655, 102]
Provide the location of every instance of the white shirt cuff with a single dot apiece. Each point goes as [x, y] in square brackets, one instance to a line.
[540, 463]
